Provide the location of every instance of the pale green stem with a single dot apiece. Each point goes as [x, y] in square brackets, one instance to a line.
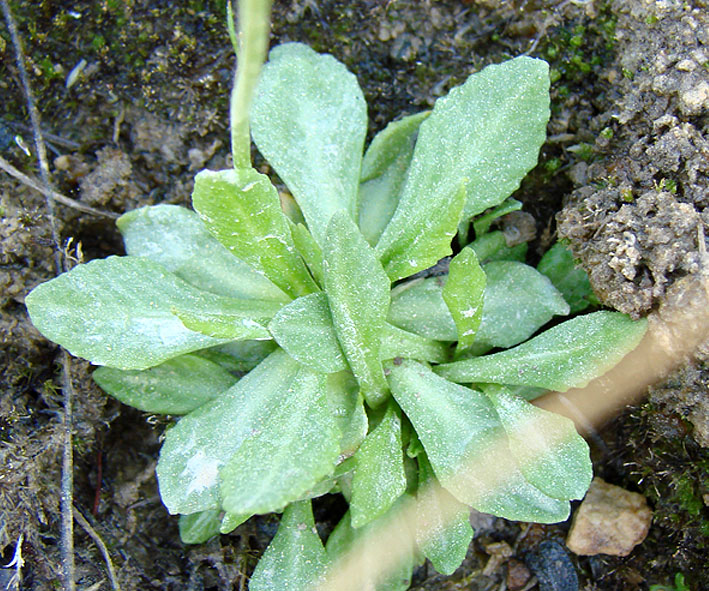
[254, 25]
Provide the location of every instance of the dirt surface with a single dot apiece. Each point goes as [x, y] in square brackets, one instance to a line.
[624, 172]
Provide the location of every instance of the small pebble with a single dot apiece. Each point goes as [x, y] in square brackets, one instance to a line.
[553, 567]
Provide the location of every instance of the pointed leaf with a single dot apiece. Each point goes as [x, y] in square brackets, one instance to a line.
[241, 208]
[397, 342]
[571, 280]
[347, 407]
[549, 451]
[384, 169]
[444, 541]
[418, 307]
[463, 293]
[175, 387]
[287, 453]
[176, 238]
[196, 449]
[119, 312]
[309, 120]
[197, 528]
[518, 301]
[305, 331]
[467, 446]
[566, 356]
[482, 224]
[358, 293]
[295, 559]
[379, 477]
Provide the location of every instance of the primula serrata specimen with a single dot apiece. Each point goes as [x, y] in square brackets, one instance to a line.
[302, 355]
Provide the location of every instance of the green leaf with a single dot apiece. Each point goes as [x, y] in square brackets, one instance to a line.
[419, 233]
[197, 528]
[467, 446]
[270, 401]
[292, 449]
[566, 356]
[444, 536]
[175, 387]
[225, 318]
[309, 250]
[550, 453]
[119, 312]
[304, 329]
[397, 342]
[176, 238]
[418, 307]
[358, 293]
[309, 119]
[483, 136]
[295, 559]
[518, 301]
[379, 477]
[384, 169]
[344, 537]
[493, 247]
[482, 224]
[239, 356]
[347, 406]
[242, 209]
[558, 264]
[463, 294]
[231, 521]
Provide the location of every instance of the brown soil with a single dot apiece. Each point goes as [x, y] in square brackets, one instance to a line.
[625, 168]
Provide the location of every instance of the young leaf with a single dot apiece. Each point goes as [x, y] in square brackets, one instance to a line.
[572, 281]
[397, 342]
[176, 238]
[444, 541]
[493, 247]
[287, 453]
[483, 136]
[242, 209]
[566, 356]
[309, 120]
[384, 169]
[295, 559]
[358, 293]
[467, 446]
[197, 528]
[119, 312]
[482, 224]
[550, 453]
[518, 301]
[463, 293]
[379, 477]
[347, 407]
[231, 521]
[239, 356]
[418, 307]
[175, 387]
[226, 318]
[203, 442]
[304, 329]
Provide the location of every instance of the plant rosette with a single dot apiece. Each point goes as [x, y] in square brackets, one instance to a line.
[301, 354]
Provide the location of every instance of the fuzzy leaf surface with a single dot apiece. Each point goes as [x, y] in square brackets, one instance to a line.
[568, 355]
[177, 238]
[267, 402]
[347, 406]
[397, 342]
[309, 120]
[463, 293]
[174, 387]
[295, 559]
[549, 451]
[418, 307]
[305, 331]
[197, 528]
[358, 293]
[443, 541]
[379, 477]
[118, 311]
[241, 208]
[572, 281]
[484, 136]
[384, 169]
[467, 446]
